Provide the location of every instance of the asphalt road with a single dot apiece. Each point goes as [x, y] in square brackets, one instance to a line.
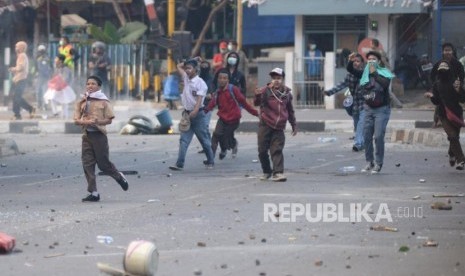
[211, 222]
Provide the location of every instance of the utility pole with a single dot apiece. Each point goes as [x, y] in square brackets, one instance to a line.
[239, 25]
[171, 17]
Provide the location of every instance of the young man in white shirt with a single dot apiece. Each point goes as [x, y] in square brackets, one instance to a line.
[193, 94]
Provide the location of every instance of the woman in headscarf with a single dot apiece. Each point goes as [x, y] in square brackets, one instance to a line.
[447, 97]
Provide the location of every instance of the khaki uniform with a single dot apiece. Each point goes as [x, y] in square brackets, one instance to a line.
[95, 149]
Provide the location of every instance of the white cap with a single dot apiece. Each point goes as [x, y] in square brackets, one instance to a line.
[41, 47]
[277, 71]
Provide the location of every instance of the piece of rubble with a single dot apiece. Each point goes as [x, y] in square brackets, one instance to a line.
[441, 206]
[430, 243]
[449, 195]
[383, 228]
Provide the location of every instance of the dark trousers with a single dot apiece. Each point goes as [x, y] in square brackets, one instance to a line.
[453, 135]
[224, 135]
[95, 150]
[19, 102]
[271, 140]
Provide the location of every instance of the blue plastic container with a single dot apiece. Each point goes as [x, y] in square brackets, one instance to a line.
[164, 118]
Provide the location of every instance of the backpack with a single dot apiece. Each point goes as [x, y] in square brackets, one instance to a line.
[374, 94]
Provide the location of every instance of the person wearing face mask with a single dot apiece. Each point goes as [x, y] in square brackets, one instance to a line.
[314, 62]
[449, 54]
[243, 65]
[275, 101]
[237, 78]
[374, 84]
[218, 58]
[448, 99]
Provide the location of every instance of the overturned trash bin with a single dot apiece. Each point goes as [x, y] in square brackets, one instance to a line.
[139, 124]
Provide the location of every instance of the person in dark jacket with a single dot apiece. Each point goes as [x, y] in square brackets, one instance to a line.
[374, 84]
[447, 98]
[237, 77]
[449, 54]
[356, 109]
[275, 101]
[229, 100]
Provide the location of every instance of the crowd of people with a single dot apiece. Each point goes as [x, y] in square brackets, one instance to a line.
[222, 84]
[371, 99]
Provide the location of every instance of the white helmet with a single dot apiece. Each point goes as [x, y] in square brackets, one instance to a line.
[41, 48]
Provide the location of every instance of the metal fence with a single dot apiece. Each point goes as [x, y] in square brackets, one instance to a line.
[309, 82]
[130, 75]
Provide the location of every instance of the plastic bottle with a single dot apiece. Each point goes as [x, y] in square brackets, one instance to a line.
[346, 170]
[327, 139]
[104, 239]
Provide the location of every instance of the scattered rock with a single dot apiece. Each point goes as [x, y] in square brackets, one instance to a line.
[201, 244]
[404, 248]
[430, 243]
[383, 228]
[318, 263]
[441, 206]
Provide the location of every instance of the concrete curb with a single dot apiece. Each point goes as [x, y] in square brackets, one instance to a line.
[428, 137]
[67, 126]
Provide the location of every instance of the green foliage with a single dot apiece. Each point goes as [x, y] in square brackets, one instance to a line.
[127, 34]
[131, 32]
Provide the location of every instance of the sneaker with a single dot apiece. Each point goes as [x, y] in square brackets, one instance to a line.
[222, 155]
[15, 118]
[278, 177]
[201, 151]
[265, 176]
[123, 182]
[368, 167]
[452, 161]
[234, 150]
[32, 112]
[355, 148]
[376, 168]
[91, 198]
[175, 168]
[460, 166]
[209, 166]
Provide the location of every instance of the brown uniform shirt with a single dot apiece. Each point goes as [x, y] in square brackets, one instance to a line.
[97, 109]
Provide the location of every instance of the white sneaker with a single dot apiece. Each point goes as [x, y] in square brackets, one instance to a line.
[368, 167]
[278, 177]
[265, 176]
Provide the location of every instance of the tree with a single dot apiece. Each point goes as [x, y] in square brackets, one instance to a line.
[220, 5]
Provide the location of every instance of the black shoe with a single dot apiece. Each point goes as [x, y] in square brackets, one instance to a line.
[91, 198]
[175, 168]
[222, 155]
[201, 151]
[123, 182]
[355, 149]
